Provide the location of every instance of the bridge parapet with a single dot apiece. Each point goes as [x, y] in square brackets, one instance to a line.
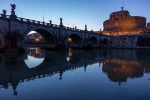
[73, 29]
[2, 16]
[36, 22]
[7, 16]
[30, 21]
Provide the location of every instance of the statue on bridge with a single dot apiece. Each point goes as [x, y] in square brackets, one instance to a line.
[13, 6]
[4, 12]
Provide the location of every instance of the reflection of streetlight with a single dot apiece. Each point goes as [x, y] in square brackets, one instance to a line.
[68, 58]
[37, 51]
[69, 55]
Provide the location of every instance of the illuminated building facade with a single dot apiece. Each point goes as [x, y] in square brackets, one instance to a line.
[122, 23]
[34, 38]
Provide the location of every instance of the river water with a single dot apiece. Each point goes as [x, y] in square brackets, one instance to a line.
[114, 74]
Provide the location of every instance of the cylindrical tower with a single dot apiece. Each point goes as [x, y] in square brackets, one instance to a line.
[121, 23]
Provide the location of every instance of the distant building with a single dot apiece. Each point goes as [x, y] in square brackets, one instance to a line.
[122, 23]
[33, 39]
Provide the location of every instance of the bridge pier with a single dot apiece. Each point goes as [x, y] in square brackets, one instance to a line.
[61, 44]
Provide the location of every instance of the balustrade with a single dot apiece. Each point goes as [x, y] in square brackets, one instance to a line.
[7, 16]
[46, 24]
[33, 21]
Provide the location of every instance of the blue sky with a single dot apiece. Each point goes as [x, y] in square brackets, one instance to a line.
[75, 12]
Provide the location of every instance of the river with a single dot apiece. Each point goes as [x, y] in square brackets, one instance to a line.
[95, 74]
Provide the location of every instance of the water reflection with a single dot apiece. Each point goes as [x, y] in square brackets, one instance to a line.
[118, 64]
[126, 63]
[35, 57]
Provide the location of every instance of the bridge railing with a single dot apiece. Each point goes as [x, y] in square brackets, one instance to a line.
[7, 16]
[1, 15]
[72, 29]
[35, 22]
[47, 24]
[24, 20]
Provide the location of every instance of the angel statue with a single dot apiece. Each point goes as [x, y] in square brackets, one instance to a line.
[13, 6]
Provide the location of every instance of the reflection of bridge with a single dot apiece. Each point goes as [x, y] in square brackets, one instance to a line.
[35, 52]
[13, 69]
[54, 62]
[118, 64]
[13, 30]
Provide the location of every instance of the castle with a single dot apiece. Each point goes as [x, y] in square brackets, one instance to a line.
[122, 23]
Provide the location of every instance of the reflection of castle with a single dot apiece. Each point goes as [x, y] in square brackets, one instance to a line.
[120, 70]
[126, 63]
[121, 23]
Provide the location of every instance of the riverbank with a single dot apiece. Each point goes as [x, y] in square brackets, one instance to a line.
[22, 50]
[54, 48]
[125, 47]
[12, 50]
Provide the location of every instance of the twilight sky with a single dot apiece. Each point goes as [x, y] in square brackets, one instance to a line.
[75, 12]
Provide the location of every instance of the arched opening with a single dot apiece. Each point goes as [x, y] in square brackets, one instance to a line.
[74, 40]
[52, 61]
[93, 41]
[105, 41]
[39, 37]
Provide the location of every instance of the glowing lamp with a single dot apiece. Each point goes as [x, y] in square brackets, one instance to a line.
[37, 39]
[69, 40]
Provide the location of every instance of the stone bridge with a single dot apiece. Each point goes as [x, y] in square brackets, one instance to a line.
[13, 30]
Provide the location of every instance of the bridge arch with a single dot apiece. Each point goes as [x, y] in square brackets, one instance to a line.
[2, 40]
[74, 40]
[93, 41]
[51, 62]
[45, 65]
[47, 34]
[105, 41]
